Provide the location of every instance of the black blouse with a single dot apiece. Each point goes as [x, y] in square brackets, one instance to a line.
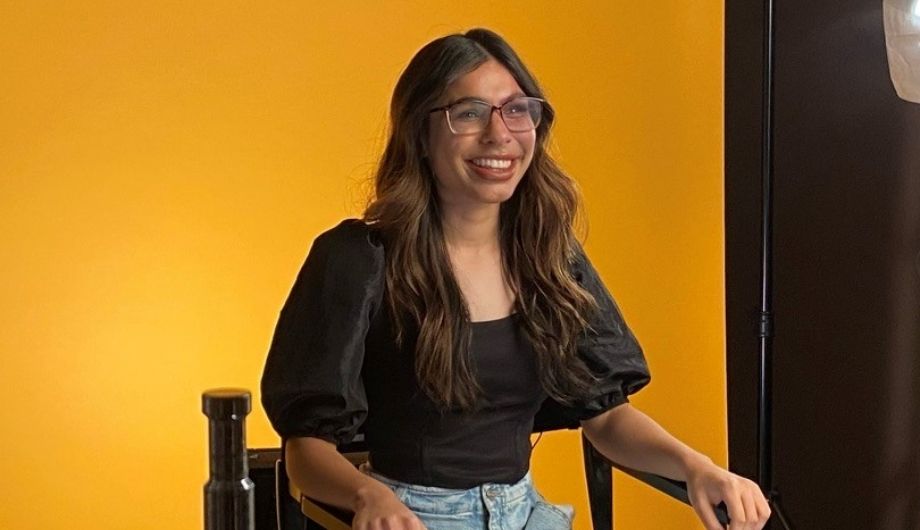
[334, 368]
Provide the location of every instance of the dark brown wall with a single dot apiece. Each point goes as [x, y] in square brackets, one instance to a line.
[847, 276]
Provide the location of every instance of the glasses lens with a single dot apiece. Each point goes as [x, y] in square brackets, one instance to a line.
[522, 114]
[469, 116]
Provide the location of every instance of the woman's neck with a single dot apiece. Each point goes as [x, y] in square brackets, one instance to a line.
[471, 229]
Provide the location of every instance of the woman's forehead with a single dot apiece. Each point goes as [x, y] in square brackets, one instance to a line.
[491, 82]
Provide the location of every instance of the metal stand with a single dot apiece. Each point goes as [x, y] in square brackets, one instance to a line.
[765, 332]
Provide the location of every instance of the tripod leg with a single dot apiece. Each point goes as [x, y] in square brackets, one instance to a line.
[778, 510]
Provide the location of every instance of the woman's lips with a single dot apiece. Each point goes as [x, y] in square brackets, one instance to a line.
[498, 168]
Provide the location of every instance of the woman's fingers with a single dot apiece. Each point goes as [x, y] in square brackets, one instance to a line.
[733, 501]
[747, 506]
[750, 509]
[755, 505]
[763, 509]
[704, 511]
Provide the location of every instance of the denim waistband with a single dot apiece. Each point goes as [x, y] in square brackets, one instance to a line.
[460, 499]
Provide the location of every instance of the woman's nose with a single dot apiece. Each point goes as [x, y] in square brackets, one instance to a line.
[496, 131]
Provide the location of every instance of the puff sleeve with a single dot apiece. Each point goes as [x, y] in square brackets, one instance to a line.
[608, 348]
[312, 382]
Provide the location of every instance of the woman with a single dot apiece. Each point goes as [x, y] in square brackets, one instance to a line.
[441, 321]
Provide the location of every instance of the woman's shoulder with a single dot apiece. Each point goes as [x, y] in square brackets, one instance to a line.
[350, 234]
[352, 241]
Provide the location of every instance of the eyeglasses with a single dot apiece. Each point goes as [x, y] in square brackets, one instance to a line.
[471, 116]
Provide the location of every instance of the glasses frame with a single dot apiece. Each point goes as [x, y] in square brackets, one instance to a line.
[492, 109]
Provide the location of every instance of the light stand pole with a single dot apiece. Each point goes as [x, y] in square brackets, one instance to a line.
[765, 328]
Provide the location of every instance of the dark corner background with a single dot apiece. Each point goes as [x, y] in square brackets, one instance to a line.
[846, 264]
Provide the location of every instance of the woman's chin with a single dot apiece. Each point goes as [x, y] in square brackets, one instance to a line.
[497, 196]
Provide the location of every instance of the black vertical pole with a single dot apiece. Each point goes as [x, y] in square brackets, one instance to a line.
[229, 493]
[765, 332]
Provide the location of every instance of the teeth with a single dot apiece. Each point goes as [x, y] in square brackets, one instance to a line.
[493, 163]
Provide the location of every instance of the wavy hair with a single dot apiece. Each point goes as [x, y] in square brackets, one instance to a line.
[536, 237]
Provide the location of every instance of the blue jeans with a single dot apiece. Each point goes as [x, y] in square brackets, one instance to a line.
[515, 506]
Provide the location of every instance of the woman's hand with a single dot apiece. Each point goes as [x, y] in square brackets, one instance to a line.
[627, 436]
[378, 508]
[708, 485]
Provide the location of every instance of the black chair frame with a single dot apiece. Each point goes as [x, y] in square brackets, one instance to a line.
[277, 507]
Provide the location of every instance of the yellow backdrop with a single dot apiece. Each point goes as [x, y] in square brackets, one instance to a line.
[165, 166]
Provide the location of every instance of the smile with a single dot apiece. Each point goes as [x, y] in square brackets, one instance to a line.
[494, 163]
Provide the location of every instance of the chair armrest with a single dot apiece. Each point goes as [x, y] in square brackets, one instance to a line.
[597, 471]
[333, 518]
[671, 487]
[329, 517]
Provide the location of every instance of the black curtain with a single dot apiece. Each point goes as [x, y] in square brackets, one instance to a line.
[846, 292]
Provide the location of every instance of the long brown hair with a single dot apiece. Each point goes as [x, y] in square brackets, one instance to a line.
[536, 235]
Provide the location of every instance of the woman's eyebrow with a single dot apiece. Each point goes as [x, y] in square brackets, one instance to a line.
[465, 99]
[483, 100]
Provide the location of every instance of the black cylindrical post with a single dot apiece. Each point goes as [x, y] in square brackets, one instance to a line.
[765, 361]
[228, 495]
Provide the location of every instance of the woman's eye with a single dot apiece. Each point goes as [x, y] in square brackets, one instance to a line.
[466, 114]
[516, 109]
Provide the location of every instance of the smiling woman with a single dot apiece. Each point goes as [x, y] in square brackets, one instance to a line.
[461, 302]
[164, 171]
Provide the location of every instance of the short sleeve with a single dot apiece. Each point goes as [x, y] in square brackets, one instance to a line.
[608, 348]
[312, 383]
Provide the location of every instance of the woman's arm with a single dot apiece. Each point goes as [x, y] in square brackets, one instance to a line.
[627, 436]
[320, 472]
